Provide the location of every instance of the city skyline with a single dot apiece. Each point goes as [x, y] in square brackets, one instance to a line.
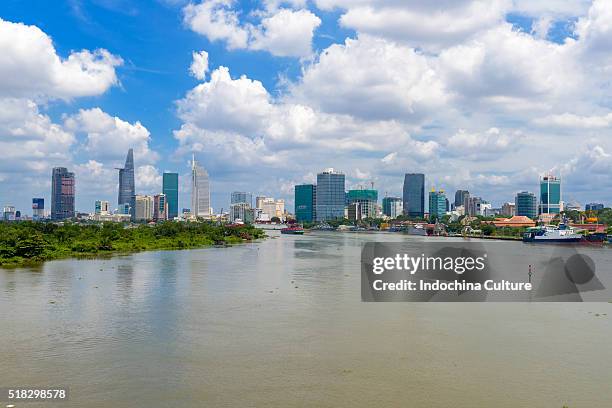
[413, 192]
[467, 108]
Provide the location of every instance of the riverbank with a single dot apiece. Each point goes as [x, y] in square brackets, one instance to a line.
[25, 243]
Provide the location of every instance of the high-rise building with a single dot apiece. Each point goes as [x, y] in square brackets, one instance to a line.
[38, 208]
[367, 200]
[392, 206]
[160, 207]
[62, 193]
[550, 195]
[145, 206]
[467, 204]
[242, 197]
[9, 213]
[354, 212]
[414, 195]
[124, 209]
[437, 204]
[127, 185]
[268, 208]
[593, 207]
[460, 197]
[170, 188]
[242, 212]
[526, 204]
[305, 202]
[200, 190]
[330, 195]
[508, 209]
[101, 207]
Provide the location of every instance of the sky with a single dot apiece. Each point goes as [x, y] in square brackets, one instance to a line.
[484, 95]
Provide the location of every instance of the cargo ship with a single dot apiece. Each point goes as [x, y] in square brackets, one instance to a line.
[552, 234]
[295, 230]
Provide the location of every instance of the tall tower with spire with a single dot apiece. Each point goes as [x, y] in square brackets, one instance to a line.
[200, 190]
[127, 189]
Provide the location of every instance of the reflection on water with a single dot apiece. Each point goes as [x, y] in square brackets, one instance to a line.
[280, 323]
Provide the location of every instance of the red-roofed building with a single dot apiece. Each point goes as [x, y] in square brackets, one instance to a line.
[517, 221]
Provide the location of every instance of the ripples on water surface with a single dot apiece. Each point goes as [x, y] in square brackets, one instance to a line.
[280, 323]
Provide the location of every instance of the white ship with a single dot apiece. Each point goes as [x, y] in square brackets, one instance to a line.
[551, 234]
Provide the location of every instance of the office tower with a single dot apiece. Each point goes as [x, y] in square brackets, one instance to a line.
[392, 206]
[9, 213]
[550, 194]
[102, 207]
[437, 204]
[200, 190]
[242, 212]
[508, 209]
[414, 195]
[145, 206]
[466, 203]
[367, 200]
[242, 197]
[268, 208]
[38, 208]
[160, 207]
[170, 189]
[124, 209]
[260, 201]
[354, 212]
[593, 207]
[460, 197]
[62, 193]
[305, 202]
[330, 195]
[127, 189]
[526, 204]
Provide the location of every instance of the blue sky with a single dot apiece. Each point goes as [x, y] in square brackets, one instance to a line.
[478, 95]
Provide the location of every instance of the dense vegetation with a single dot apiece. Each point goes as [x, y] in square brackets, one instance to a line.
[22, 242]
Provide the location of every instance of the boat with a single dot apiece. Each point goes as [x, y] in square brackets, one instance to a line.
[596, 237]
[295, 230]
[552, 234]
[417, 229]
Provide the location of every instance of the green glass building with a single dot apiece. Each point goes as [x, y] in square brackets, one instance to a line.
[392, 206]
[550, 195]
[437, 204]
[526, 204]
[305, 202]
[170, 189]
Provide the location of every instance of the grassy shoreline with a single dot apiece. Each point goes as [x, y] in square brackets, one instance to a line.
[32, 243]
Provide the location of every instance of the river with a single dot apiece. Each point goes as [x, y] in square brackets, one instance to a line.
[280, 323]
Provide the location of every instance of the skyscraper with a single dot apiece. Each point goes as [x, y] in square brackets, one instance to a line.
[101, 207]
[62, 193]
[38, 208]
[414, 195]
[200, 190]
[330, 196]
[170, 189]
[145, 208]
[392, 206]
[550, 195]
[460, 197]
[367, 200]
[242, 197]
[127, 189]
[437, 204]
[305, 202]
[526, 204]
[160, 207]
